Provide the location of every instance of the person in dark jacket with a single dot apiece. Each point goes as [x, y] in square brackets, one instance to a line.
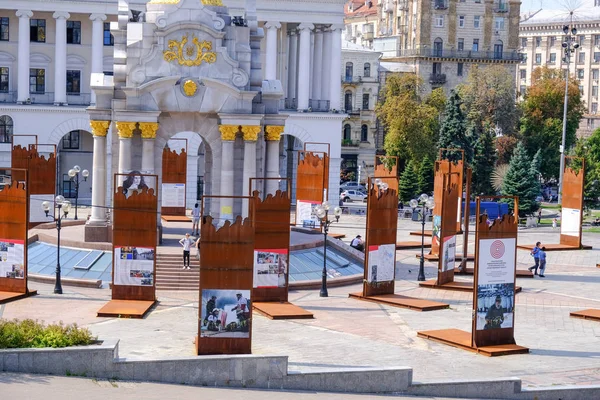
[495, 316]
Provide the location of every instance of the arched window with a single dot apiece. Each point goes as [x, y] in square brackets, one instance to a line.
[364, 133]
[498, 49]
[348, 101]
[438, 46]
[349, 71]
[365, 103]
[367, 72]
[6, 129]
[347, 135]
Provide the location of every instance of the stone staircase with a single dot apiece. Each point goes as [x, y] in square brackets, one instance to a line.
[171, 276]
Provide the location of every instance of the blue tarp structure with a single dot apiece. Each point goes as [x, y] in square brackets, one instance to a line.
[493, 209]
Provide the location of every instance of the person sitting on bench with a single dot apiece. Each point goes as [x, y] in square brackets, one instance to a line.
[357, 243]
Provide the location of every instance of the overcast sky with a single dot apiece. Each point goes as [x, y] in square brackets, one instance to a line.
[534, 5]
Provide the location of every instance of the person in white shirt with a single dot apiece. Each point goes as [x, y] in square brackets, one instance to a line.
[195, 219]
[186, 242]
[357, 243]
[241, 309]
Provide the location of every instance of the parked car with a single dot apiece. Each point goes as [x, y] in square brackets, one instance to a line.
[352, 185]
[353, 195]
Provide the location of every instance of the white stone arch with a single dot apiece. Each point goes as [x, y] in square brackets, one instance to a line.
[67, 126]
[298, 132]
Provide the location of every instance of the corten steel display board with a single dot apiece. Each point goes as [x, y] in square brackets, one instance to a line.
[226, 272]
[572, 202]
[20, 154]
[466, 217]
[457, 166]
[314, 147]
[174, 174]
[447, 229]
[311, 182]
[387, 166]
[134, 249]
[14, 214]
[42, 180]
[380, 238]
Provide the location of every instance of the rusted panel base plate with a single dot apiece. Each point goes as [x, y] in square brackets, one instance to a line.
[175, 218]
[521, 273]
[281, 311]
[418, 233]
[126, 308]
[555, 247]
[396, 300]
[7, 297]
[587, 314]
[436, 257]
[336, 235]
[462, 340]
[456, 286]
[411, 245]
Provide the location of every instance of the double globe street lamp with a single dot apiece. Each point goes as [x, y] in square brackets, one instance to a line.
[74, 176]
[322, 211]
[63, 206]
[427, 203]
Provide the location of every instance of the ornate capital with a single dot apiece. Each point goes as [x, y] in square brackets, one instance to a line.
[24, 13]
[61, 14]
[250, 132]
[125, 129]
[98, 17]
[228, 132]
[273, 132]
[272, 25]
[99, 128]
[305, 26]
[148, 129]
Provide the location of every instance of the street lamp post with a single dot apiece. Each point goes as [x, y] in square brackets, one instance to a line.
[323, 214]
[569, 45]
[61, 205]
[427, 203]
[74, 175]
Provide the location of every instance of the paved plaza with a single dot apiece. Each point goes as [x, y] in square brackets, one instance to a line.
[348, 333]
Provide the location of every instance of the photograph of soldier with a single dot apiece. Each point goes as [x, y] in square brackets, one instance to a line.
[495, 306]
[226, 313]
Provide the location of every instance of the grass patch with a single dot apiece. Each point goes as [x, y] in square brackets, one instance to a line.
[551, 206]
[29, 333]
[595, 229]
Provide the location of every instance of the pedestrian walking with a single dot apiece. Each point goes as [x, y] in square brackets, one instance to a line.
[186, 242]
[535, 252]
[554, 223]
[542, 256]
[540, 216]
[195, 220]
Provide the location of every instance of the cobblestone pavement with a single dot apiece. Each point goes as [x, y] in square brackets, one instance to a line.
[351, 333]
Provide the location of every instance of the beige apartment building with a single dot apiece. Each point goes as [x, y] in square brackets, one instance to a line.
[540, 39]
[438, 39]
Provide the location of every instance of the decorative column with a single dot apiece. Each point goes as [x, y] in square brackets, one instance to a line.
[317, 66]
[125, 131]
[326, 67]
[60, 58]
[97, 46]
[335, 80]
[272, 136]
[304, 66]
[228, 134]
[148, 130]
[99, 130]
[271, 59]
[292, 70]
[23, 61]
[250, 138]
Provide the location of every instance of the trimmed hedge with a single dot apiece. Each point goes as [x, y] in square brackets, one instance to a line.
[30, 333]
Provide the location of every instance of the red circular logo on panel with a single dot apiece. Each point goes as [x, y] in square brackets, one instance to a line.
[497, 249]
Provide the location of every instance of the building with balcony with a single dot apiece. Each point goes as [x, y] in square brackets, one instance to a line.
[540, 40]
[360, 89]
[442, 39]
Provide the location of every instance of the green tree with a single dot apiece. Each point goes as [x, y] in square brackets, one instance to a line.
[484, 161]
[453, 132]
[521, 181]
[409, 186]
[411, 124]
[589, 150]
[488, 96]
[542, 121]
[425, 178]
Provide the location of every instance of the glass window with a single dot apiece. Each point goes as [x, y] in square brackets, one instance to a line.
[580, 73]
[475, 44]
[367, 71]
[595, 74]
[595, 91]
[552, 58]
[439, 21]
[364, 133]
[581, 90]
[109, 39]
[581, 57]
[37, 80]
[522, 90]
[347, 132]
[523, 42]
[348, 101]
[71, 140]
[4, 79]
[461, 44]
[552, 41]
[461, 21]
[596, 56]
[73, 82]
[499, 23]
[581, 40]
[594, 108]
[498, 49]
[6, 129]
[365, 103]
[4, 28]
[538, 41]
[73, 32]
[523, 73]
[349, 71]
[476, 21]
[37, 30]
[538, 58]
[459, 70]
[437, 68]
